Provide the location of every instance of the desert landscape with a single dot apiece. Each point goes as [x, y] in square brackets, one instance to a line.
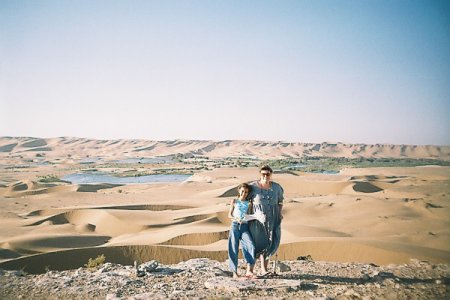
[127, 126]
[380, 215]
[359, 220]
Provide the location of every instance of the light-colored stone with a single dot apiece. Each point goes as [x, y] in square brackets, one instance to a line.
[149, 266]
[112, 297]
[282, 267]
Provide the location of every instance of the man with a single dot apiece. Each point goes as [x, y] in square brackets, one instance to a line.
[267, 197]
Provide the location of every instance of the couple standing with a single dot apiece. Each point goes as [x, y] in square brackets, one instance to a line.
[256, 222]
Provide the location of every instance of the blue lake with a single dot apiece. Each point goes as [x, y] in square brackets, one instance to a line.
[80, 178]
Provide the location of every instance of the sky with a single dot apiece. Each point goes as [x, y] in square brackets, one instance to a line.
[351, 71]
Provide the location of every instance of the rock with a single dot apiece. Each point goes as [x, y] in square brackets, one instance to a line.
[307, 258]
[140, 272]
[352, 294]
[306, 286]
[221, 284]
[149, 266]
[105, 267]
[18, 273]
[112, 297]
[414, 261]
[236, 285]
[389, 282]
[282, 267]
[220, 272]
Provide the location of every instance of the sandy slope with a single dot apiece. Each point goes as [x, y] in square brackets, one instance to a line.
[379, 215]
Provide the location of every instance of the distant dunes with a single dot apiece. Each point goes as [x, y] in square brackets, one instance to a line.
[64, 147]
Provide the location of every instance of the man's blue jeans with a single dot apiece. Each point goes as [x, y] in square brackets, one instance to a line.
[240, 233]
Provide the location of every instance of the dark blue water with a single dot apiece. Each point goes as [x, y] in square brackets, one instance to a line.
[99, 178]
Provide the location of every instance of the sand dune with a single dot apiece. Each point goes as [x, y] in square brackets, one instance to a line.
[45, 243]
[366, 187]
[65, 147]
[342, 250]
[23, 188]
[95, 187]
[197, 239]
[379, 215]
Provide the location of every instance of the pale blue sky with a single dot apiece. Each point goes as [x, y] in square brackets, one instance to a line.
[302, 71]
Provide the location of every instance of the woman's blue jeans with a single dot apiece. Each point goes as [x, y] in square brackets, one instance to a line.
[240, 233]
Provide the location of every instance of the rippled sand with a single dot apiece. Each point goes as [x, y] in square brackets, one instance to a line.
[379, 215]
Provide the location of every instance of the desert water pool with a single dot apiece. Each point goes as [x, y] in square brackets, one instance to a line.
[80, 178]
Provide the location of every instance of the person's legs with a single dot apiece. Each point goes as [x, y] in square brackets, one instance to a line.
[275, 242]
[249, 272]
[233, 248]
[248, 249]
[264, 264]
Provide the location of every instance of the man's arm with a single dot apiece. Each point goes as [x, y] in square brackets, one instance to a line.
[280, 202]
[280, 207]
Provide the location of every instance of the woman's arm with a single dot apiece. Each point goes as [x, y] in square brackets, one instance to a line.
[230, 212]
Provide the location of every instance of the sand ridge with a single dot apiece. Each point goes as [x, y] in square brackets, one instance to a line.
[379, 215]
[69, 148]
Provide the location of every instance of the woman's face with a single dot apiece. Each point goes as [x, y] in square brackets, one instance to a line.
[243, 193]
[265, 176]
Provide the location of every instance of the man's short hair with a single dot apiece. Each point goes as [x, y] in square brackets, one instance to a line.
[266, 168]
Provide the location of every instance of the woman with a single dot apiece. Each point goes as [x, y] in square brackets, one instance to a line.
[267, 197]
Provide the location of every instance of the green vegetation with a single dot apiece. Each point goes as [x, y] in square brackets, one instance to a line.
[190, 164]
[334, 164]
[50, 178]
[94, 263]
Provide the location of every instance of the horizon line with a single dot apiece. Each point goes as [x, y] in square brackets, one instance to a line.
[222, 141]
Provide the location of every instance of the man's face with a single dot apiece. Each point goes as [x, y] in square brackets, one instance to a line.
[265, 176]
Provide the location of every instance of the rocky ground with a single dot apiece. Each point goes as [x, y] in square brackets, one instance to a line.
[206, 279]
